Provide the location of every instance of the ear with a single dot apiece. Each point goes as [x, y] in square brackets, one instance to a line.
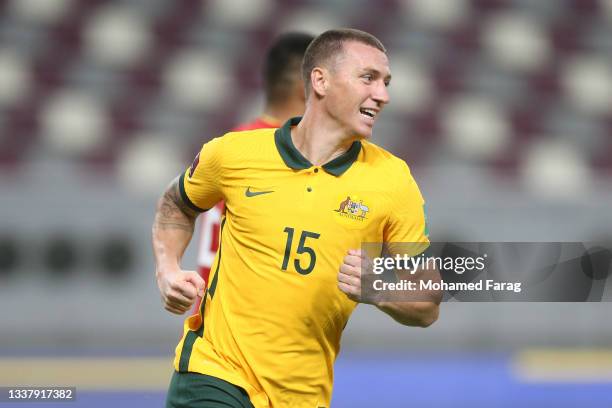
[319, 79]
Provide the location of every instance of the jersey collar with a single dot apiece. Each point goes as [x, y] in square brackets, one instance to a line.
[294, 159]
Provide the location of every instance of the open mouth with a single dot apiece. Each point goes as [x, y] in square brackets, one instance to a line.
[369, 113]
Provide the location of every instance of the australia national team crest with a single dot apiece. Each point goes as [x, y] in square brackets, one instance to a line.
[352, 207]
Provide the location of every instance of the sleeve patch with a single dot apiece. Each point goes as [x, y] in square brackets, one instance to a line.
[194, 165]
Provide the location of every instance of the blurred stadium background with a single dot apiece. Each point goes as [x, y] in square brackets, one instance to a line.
[502, 108]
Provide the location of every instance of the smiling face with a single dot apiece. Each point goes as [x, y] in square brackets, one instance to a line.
[357, 88]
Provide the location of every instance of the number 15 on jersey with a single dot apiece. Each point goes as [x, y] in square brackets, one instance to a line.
[302, 248]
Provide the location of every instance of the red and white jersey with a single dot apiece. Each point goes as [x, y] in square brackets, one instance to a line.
[210, 223]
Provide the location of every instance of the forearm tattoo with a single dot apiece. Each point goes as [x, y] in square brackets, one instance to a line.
[173, 213]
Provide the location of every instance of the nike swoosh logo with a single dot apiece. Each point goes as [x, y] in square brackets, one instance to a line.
[250, 193]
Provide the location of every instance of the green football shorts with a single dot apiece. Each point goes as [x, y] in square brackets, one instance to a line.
[193, 390]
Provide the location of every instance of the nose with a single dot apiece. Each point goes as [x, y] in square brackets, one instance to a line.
[381, 93]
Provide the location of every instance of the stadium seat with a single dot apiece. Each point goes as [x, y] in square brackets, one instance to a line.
[486, 80]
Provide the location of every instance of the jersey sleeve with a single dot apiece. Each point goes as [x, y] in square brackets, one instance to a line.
[200, 184]
[406, 229]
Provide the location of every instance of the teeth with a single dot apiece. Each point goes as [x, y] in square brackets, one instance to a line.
[368, 112]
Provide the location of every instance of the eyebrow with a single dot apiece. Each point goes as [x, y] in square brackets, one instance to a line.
[377, 73]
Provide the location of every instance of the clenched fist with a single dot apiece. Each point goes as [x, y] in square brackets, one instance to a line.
[349, 276]
[180, 289]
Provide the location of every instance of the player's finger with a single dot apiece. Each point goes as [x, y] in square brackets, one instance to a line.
[177, 298]
[355, 252]
[350, 279]
[348, 291]
[352, 260]
[187, 289]
[344, 287]
[353, 285]
[350, 270]
[174, 309]
[344, 278]
[197, 281]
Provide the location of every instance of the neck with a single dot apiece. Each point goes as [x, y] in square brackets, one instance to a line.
[319, 138]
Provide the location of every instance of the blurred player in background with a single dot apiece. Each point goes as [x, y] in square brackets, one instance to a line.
[300, 201]
[284, 99]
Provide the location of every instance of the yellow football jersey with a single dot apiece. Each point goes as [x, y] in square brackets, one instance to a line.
[273, 314]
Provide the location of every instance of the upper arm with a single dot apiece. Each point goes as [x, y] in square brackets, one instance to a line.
[173, 200]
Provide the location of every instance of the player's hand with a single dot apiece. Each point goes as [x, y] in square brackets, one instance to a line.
[349, 276]
[180, 289]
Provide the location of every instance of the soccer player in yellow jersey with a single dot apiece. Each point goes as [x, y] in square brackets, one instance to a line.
[300, 201]
[284, 92]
